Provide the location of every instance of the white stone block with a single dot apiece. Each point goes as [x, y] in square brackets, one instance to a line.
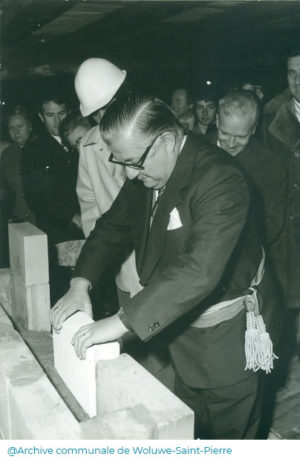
[132, 423]
[30, 407]
[28, 250]
[6, 289]
[5, 424]
[80, 375]
[123, 383]
[31, 305]
[38, 412]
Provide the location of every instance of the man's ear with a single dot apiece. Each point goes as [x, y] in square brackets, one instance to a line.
[169, 140]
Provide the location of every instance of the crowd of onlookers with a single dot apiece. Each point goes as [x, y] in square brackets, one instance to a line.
[40, 182]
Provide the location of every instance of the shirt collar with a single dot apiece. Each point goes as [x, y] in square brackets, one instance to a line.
[57, 138]
[297, 109]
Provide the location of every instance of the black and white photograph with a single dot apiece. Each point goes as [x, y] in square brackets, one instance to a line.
[149, 227]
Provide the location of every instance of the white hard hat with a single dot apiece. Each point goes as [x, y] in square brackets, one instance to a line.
[96, 82]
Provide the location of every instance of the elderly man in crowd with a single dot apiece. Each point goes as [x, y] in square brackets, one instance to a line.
[13, 206]
[186, 210]
[181, 101]
[237, 118]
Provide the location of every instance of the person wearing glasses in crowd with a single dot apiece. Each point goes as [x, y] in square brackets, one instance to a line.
[186, 210]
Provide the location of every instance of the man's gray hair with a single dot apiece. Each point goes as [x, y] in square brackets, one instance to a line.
[241, 102]
[144, 115]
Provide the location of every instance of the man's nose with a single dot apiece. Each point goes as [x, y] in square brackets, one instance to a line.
[56, 120]
[131, 173]
[297, 78]
[231, 141]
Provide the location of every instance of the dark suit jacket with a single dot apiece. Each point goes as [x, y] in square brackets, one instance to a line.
[49, 175]
[212, 257]
[270, 186]
[283, 138]
[10, 178]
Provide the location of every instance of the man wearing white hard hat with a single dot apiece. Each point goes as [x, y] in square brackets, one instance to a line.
[99, 181]
[97, 83]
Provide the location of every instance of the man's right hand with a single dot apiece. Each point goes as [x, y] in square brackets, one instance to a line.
[76, 299]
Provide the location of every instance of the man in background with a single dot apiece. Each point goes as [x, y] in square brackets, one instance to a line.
[282, 136]
[237, 118]
[49, 174]
[181, 101]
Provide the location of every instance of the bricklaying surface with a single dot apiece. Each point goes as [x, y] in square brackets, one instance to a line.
[5, 290]
[123, 383]
[126, 424]
[30, 407]
[23, 379]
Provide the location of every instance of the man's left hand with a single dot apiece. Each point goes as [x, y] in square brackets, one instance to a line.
[106, 330]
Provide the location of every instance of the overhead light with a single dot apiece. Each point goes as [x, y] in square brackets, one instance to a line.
[208, 82]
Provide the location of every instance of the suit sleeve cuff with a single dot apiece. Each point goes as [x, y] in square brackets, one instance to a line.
[122, 317]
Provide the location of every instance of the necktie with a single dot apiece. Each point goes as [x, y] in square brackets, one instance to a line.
[154, 206]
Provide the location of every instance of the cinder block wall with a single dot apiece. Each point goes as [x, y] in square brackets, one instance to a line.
[30, 407]
[131, 403]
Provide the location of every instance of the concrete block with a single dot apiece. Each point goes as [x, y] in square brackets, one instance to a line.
[5, 319]
[30, 407]
[49, 416]
[123, 383]
[5, 290]
[31, 305]
[28, 250]
[5, 424]
[125, 424]
[80, 375]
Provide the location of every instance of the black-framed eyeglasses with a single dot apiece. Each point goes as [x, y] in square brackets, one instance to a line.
[135, 165]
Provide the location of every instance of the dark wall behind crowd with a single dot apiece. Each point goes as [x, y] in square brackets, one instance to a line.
[161, 44]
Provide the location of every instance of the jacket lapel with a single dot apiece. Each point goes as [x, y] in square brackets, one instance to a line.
[143, 225]
[172, 196]
[285, 126]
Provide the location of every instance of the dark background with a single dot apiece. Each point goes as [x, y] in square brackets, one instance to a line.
[162, 44]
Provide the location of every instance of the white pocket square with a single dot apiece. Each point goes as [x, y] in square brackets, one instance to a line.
[174, 222]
